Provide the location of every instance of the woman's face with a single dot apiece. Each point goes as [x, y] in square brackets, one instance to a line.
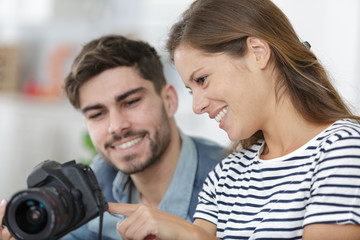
[235, 91]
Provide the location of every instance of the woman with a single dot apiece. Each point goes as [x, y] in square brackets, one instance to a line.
[295, 169]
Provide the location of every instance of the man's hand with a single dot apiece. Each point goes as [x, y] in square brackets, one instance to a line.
[4, 232]
[144, 222]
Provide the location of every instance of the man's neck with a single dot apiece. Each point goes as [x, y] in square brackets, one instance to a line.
[153, 183]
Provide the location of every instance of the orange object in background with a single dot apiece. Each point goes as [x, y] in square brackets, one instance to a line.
[56, 70]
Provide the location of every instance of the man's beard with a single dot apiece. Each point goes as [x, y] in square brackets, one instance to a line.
[158, 146]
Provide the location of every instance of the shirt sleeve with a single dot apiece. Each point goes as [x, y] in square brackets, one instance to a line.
[207, 208]
[335, 190]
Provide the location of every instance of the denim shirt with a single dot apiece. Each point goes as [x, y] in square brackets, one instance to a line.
[197, 157]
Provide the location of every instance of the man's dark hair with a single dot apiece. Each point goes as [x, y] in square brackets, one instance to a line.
[109, 52]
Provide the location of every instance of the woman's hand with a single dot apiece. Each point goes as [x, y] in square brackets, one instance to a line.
[144, 222]
[4, 232]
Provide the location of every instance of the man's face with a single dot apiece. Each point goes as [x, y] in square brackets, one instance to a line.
[126, 119]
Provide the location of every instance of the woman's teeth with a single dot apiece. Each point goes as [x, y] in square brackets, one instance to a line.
[129, 143]
[221, 114]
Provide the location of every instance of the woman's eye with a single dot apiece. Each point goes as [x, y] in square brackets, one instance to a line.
[201, 80]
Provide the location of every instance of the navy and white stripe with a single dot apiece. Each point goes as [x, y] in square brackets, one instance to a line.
[250, 198]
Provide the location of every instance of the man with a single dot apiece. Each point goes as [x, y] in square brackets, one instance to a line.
[119, 86]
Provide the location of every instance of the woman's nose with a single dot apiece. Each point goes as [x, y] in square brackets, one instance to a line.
[200, 103]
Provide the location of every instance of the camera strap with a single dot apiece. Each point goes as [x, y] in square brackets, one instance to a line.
[101, 215]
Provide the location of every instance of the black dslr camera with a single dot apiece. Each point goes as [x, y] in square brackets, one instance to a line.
[59, 199]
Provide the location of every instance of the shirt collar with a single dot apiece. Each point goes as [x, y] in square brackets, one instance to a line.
[178, 195]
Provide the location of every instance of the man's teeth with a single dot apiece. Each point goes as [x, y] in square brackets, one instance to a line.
[129, 143]
[221, 114]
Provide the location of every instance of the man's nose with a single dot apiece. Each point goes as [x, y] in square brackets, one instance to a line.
[118, 122]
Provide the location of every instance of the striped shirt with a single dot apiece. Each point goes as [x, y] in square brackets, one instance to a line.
[250, 198]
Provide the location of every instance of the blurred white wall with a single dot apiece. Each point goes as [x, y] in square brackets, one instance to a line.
[32, 131]
[333, 29]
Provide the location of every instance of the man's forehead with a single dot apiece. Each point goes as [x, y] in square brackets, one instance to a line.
[115, 81]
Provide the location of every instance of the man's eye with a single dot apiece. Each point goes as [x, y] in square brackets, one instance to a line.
[132, 102]
[94, 116]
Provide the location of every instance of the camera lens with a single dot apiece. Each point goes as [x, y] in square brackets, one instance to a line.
[31, 216]
[59, 199]
[39, 213]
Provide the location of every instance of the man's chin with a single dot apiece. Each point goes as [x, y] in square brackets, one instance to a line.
[130, 168]
[119, 163]
[129, 164]
[132, 171]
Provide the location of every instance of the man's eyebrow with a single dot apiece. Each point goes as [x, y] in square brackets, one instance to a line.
[117, 99]
[92, 107]
[128, 93]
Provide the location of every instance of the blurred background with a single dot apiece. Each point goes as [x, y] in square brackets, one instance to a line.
[40, 38]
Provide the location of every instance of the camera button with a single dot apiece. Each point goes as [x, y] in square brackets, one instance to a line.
[76, 194]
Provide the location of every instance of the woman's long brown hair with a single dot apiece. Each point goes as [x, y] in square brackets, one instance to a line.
[215, 26]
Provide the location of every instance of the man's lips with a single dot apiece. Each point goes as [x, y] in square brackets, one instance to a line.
[127, 144]
[125, 141]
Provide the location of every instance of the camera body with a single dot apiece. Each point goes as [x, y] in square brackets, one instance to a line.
[59, 199]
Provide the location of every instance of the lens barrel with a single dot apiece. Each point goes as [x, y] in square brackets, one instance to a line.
[38, 213]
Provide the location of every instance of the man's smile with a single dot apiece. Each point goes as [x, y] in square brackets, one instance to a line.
[128, 144]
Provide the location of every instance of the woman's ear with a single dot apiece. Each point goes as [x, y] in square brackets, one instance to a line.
[260, 50]
[170, 99]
